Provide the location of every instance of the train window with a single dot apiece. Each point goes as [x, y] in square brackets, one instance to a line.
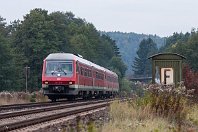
[81, 70]
[102, 76]
[77, 67]
[88, 72]
[90, 75]
[85, 73]
[97, 75]
[59, 67]
[109, 78]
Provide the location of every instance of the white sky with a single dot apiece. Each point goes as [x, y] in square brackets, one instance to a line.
[161, 17]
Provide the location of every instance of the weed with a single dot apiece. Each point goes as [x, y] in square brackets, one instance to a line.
[162, 108]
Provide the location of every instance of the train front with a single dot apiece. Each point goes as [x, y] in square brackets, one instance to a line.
[58, 76]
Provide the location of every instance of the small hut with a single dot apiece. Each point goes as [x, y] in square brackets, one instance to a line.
[167, 68]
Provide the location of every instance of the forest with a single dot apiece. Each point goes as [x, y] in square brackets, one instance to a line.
[27, 42]
[128, 44]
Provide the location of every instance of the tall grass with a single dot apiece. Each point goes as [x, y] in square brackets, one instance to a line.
[162, 108]
[193, 114]
[129, 117]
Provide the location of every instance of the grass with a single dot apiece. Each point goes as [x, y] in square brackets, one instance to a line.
[7, 98]
[193, 114]
[126, 118]
[129, 117]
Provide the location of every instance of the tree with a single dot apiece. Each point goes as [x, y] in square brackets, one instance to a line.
[118, 65]
[6, 59]
[33, 40]
[186, 45]
[40, 34]
[142, 66]
[171, 41]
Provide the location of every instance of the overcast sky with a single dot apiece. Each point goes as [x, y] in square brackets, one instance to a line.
[161, 17]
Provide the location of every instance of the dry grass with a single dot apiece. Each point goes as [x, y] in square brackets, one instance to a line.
[129, 117]
[193, 114]
[20, 97]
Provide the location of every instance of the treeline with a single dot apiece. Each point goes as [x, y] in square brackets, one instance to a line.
[186, 45]
[128, 43]
[28, 42]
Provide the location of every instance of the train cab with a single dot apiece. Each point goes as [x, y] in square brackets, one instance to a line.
[58, 75]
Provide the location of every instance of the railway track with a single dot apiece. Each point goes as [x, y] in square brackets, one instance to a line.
[31, 105]
[8, 121]
[37, 110]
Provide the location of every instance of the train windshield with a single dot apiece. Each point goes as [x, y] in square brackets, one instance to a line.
[59, 68]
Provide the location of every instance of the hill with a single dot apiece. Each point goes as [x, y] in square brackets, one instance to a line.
[128, 44]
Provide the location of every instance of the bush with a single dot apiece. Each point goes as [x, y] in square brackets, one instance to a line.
[191, 80]
[170, 101]
[167, 99]
[33, 97]
[138, 88]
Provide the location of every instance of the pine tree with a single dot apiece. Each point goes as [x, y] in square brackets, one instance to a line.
[142, 65]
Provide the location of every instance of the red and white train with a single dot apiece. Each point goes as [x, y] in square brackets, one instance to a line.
[69, 76]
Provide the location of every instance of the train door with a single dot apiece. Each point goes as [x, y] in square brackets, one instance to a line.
[93, 77]
[77, 73]
[105, 80]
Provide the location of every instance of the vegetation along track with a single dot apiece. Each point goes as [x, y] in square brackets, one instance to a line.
[67, 109]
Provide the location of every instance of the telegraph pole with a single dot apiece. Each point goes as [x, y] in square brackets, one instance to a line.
[26, 78]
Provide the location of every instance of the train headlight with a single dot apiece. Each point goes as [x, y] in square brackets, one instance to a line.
[46, 82]
[58, 75]
[70, 82]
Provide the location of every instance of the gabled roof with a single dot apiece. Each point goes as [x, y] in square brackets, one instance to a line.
[166, 54]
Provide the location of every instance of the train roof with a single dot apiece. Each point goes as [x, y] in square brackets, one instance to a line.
[69, 56]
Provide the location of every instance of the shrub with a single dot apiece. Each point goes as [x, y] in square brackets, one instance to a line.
[170, 101]
[191, 80]
[33, 97]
